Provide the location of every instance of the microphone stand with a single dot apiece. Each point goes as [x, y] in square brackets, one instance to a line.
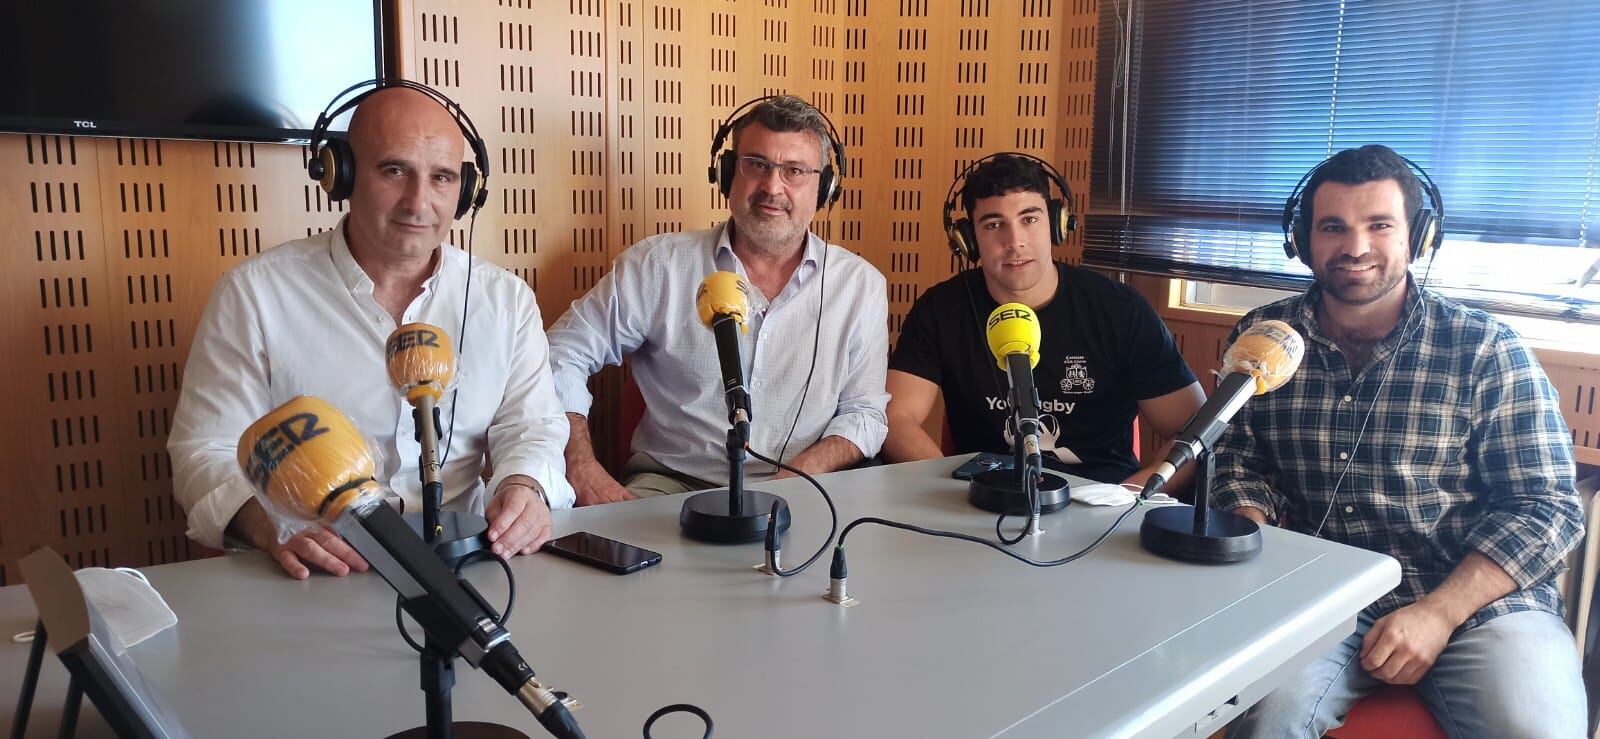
[449, 538]
[453, 535]
[1198, 533]
[737, 515]
[1030, 467]
[1026, 486]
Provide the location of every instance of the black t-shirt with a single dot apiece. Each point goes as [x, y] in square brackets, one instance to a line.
[1104, 349]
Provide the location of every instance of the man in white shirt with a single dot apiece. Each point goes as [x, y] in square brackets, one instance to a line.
[817, 343]
[310, 317]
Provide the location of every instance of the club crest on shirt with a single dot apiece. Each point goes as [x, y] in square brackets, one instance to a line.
[1075, 379]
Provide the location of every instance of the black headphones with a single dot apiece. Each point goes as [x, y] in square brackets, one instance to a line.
[964, 236]
[1426, 225]
[333, 162]
[724, 163]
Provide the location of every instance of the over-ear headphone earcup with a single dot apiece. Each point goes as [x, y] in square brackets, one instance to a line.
[826, 193]
[471, 195]
[1302, 241]
[338, 164]
[1424, 233]
[1058, 224]
[969, 239]
[726, 164]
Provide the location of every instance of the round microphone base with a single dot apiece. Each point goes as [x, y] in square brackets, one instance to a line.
[1169, 531]
[999, 491]
[706, 516]
[463, 534]
[466, 730]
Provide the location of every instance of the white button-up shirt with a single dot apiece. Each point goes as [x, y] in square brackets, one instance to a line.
[645, 307]
[301, 319]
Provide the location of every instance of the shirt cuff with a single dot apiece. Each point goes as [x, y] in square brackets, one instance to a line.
[210, 516]
[858, 429]
[558, 494]
[573, 392]
[1527, 557]
[1227, 497]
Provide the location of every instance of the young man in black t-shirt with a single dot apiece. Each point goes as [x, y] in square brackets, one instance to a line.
[1105, 355]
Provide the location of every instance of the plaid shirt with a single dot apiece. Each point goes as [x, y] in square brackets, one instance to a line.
[1465, 450]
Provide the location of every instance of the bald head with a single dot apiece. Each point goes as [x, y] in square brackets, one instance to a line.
[408, 154]
[403, 112]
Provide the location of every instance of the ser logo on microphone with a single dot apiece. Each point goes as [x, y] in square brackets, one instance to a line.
[1009, 314]
[410, 339]
[274, 446]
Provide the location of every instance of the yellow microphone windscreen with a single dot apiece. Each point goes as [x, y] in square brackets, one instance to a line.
[1013, 328]
[420, 361]
[1269, 350]
[308, 459]
[724, 293]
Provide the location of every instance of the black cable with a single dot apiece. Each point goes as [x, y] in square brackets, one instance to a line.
[511, 580]
[833, 514]
[985, 542]
[461, 339]
[400, 625]
[679, 708]
[816, 340]
[500, 619]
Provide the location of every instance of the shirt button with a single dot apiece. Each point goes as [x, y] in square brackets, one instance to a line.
[1346, 398]
[1349, 509]
[1343, 455]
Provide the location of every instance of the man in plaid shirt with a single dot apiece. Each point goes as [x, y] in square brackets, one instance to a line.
[1424, 430]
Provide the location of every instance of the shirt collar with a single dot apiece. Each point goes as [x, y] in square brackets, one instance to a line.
[354, 277]
[726, 260]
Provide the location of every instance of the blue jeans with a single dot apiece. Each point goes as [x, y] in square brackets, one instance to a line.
[1515, 676]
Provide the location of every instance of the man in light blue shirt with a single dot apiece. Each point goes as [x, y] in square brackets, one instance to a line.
[814, 355]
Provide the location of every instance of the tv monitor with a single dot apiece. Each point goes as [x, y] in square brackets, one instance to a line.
[232, 70]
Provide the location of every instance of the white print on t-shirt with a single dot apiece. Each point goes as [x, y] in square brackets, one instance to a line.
[1049, 434]
[1046, 406]
[1075, 377]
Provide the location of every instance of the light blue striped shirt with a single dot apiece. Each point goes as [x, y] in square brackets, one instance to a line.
[645, 308]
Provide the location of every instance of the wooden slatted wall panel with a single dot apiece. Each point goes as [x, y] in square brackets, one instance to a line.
[598, 116]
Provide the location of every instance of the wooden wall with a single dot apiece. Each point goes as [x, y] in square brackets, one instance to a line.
[598, 116]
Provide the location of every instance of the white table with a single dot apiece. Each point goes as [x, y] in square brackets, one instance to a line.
[949, 640]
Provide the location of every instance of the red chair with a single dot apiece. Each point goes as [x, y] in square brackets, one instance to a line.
[1394, 710]
[630, 409]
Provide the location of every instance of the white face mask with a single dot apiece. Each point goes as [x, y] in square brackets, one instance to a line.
[127, 603]
[1106, 494]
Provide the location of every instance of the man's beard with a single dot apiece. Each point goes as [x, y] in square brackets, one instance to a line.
[769, 235]
[1359, 293]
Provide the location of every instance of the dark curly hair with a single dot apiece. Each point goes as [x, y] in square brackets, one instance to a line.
[1003, 174]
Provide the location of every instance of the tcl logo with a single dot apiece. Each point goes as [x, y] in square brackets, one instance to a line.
[83, 124]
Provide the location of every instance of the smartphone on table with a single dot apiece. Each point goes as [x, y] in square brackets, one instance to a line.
[598, 551]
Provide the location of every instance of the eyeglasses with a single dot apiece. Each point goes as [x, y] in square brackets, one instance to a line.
[757, 168]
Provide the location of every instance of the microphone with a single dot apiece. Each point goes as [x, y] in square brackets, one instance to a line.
[723, 301]
[1014, 335]
[736, 514]
[308, 462]
[1261, 360]
[421, 364]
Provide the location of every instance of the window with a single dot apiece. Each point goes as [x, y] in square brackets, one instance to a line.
[1209, 111]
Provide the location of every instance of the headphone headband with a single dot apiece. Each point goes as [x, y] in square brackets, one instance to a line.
[1425, 227]
[963, 235]
[829, 186]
